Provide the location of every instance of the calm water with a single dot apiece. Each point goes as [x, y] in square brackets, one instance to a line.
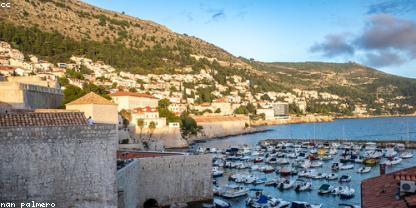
[397, 128]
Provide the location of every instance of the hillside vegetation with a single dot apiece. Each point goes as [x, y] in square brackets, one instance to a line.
[55, 30]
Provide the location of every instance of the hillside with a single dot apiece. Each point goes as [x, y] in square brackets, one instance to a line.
[54, 30]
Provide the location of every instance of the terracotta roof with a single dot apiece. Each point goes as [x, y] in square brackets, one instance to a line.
[91, 98]
[5, 105]
[381, 191]
[147, 109]
[134, 94]
[7, 68]
[208, 119]
[220, 100]
[42, 119]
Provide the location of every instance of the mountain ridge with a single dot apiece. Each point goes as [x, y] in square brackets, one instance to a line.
[141, 46]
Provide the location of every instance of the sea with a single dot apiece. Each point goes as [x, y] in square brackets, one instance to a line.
[377, 129]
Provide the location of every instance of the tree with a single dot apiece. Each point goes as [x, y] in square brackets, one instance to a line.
[152, 127]
[189, 126]
[72, 93]
[218, 110]
[140, 124]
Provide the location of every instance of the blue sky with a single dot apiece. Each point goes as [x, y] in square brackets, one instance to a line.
[381, 34]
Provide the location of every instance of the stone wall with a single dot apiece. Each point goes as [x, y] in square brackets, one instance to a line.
[221, 126]
[24, 96]
[167, 179]
[71, 166]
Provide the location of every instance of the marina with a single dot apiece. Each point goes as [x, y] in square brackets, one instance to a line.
[317, 172]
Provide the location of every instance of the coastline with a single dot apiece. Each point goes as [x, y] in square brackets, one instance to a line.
[261, 126]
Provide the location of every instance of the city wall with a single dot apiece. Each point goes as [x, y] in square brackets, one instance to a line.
[166, 179]
[25, 96]
[71, 166]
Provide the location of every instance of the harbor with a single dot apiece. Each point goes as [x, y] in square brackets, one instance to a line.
[318, 171]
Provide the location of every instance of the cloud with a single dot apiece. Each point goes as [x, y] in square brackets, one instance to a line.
[218, 15]
[388, 32]
[333, 45]
[384, 58]
[385, 41]
[392, 7]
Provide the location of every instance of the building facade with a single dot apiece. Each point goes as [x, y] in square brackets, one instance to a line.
[131, 100]
[100, 109]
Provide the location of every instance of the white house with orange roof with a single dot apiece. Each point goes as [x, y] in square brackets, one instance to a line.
[132, 100]
[148, 115]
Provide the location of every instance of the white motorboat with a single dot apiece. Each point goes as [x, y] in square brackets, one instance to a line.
[333, 151]
[364, 169]
[267, 169]
[232, 191]
[346, 167]
[325, 189]
[316, 164]
[406, 155]
[285, 184]
[299, 204]
[301, 185]
[390, 152]
[331, 176]
[282, 161]
[370, 146]
[222, 204]
[394, 161]
[217, 172]
[344, 192]
[344, 178]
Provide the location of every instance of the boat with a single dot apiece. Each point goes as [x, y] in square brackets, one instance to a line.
[285, 171]
[370, 161]
[331, 176]
[394, 161]
[267, 169]
[216, 172]
[258, 201]
[370, 146]
[258, 159]
[333, 151]
[346, 167]
[272, 182]
[233, 191]
[325, 189]
[390, 153]
[282, 161]
[217, 203]
[335, 166]
[299, 204]
[221, 204]
[364, 169]
[316, 164]
[285, 184]
[258, 181]
[344, 178]
[346, 192]
[348, 206]
[301, 185]
[255, 167]
[406, 155]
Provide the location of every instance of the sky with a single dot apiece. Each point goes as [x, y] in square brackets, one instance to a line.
[380, 34]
